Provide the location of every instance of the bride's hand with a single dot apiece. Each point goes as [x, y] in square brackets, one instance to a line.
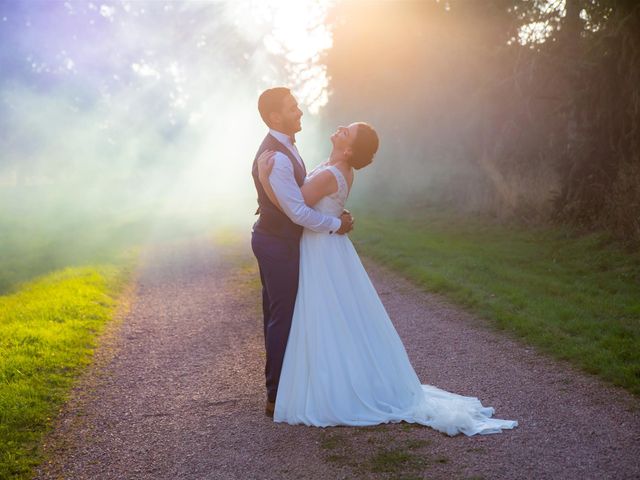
[265, 164]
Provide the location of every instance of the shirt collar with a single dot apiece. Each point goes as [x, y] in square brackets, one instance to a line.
[281, 137]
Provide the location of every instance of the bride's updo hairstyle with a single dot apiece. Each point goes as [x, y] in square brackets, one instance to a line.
[364, 146]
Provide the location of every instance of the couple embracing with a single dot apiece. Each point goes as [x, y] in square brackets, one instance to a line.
[333, 355]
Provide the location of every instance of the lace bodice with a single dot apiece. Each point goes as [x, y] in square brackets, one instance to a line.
[333, 204]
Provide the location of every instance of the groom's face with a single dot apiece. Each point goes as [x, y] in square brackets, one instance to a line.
[290, 116]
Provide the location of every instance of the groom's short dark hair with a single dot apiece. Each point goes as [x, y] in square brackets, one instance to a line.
[271, 101]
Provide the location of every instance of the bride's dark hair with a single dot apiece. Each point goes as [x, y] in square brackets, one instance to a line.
[364, 146]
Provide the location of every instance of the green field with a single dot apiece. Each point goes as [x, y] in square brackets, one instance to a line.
[48, 330]
[575, 297]
[62, 268]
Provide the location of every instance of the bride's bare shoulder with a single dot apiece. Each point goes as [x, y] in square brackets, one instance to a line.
[347, 173]
[317, 168]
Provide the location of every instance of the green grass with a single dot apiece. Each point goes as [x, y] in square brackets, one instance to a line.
[576, 297]
[64, 257]
[40, 233]
[48, 331]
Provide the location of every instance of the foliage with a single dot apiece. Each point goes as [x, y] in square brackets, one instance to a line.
[525, 109]
[601, 167]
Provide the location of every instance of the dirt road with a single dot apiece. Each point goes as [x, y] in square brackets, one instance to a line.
[177, 393]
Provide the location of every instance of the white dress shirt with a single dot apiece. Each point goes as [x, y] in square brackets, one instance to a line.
[288, 192]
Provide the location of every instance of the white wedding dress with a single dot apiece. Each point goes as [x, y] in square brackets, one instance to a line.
[345, 363]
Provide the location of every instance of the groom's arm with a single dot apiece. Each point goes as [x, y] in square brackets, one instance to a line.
[290, 197]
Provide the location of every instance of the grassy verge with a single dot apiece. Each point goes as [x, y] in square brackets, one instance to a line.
[47, 335]
[34, 242]
[577, 298]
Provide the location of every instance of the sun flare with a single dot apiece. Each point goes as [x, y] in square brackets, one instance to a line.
[168, 92]
[296, 31]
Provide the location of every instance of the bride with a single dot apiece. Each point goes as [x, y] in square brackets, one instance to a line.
[345, 363]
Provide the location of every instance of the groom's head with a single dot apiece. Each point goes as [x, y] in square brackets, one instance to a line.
[279, 110]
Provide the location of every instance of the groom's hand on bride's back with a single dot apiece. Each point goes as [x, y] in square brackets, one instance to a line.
[265, 164]
[346, 223]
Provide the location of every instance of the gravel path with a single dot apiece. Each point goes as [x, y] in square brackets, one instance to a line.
[177, 392]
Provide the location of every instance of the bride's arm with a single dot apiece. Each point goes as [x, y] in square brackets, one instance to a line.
[265, 165]
[320, 185]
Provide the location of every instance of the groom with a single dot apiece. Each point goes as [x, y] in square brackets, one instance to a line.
[275, 237]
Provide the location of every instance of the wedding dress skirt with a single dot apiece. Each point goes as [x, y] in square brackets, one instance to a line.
[345, 363]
